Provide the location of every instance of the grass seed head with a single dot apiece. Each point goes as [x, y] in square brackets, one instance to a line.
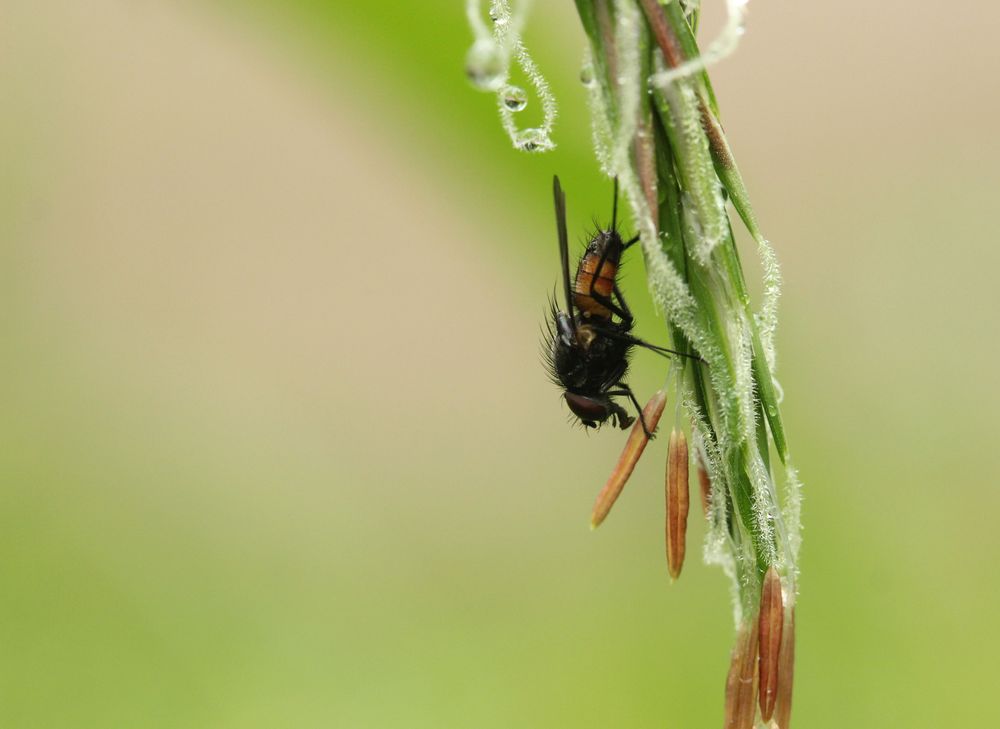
[678, 501]
[786, 666]
[634, 447]
[742, 679]
[771, 620]
[705, 482]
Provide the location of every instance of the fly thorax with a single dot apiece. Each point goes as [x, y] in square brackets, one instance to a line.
[585, 335]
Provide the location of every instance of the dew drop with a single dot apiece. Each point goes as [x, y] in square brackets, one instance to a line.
[587, 75]
[514, 97]
[484, 65]
[533, 140]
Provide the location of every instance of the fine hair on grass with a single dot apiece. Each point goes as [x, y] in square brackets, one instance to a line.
[656, 128]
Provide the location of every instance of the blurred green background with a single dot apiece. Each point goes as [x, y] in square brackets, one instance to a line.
[277, 448]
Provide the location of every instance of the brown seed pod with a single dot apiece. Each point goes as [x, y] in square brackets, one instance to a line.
[741, 681]
[786, 666]
[705, 482]
[678, 501]
[634, 447]
[771, 620]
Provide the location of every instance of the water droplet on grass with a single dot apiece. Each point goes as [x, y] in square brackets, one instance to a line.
[514, 97]
[484, 65]
[533, 140]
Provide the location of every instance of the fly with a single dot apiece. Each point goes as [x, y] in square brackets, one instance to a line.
[589, 342]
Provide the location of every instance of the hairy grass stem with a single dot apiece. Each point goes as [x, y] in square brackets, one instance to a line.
[656, 128]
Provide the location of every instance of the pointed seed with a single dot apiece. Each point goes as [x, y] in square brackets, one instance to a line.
[678, 501]
[634, 447]
[705, 483]
[741, 683]
[786, 665]
[772, 617]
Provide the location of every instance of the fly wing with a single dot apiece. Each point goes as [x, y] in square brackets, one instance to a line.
[560, 200]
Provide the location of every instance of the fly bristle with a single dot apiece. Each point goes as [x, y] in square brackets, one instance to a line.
[548, 341]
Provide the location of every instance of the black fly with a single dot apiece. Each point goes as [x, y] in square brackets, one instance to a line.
[588, 344]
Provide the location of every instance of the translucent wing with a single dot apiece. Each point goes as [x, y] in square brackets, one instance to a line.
[560, 200]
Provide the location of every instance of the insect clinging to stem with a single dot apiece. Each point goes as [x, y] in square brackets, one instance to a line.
[588, 344]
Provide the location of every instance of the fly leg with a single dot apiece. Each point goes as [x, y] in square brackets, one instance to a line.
[627, 318]
[638, 409]
[626, 315]
[626, 337]
[620, 309]
[630, 242]
[624, 389]
[664, 350]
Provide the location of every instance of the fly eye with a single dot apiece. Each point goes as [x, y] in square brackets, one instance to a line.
[588, 409]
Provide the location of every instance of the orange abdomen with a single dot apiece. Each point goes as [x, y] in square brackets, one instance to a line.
[603, 283]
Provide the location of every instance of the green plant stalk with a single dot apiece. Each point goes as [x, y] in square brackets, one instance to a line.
[657, 130]
[671, 209]
[731, 179]
[715, 284]
[733, 399]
